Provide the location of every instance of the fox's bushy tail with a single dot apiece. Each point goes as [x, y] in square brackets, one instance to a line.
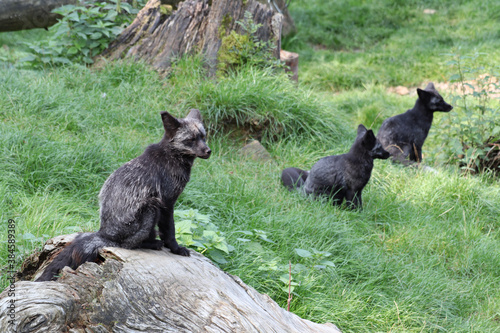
[84, 248]
[294, 178]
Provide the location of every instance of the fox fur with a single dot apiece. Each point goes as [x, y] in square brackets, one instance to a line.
[140, 196]
[340, 176]
[403, 135]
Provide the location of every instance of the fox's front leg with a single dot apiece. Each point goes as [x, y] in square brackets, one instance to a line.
[166, 227]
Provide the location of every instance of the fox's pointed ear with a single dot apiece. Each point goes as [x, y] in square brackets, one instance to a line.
[369, 139]
[170, 123]
[430, 87]
[422, 94]
[361, 129]
[194, 114]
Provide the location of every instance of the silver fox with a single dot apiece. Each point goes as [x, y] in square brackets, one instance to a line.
[404, 135]
[140, 195]
[340, 177]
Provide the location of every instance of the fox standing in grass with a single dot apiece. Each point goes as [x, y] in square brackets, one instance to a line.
[404, 134]
[140, 195]
[340, 176]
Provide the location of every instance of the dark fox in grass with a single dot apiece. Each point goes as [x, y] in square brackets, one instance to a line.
[404, 135]
[140, 195]
[340, 176]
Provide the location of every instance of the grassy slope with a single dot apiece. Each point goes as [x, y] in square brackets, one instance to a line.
[349, 43]
[422, 256]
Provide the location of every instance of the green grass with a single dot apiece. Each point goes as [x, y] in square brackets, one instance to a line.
[349, 43]
[422, 256]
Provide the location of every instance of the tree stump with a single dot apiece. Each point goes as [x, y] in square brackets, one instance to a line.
[145, 291]
[157, 37]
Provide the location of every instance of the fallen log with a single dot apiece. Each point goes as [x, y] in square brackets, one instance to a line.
[29, 14]
[143, 291]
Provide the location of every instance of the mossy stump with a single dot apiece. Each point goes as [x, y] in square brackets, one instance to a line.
[157, 37]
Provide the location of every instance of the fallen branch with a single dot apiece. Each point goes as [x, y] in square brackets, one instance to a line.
[144, 291]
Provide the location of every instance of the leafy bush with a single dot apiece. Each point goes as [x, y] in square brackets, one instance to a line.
[472, 134]
[82, 33]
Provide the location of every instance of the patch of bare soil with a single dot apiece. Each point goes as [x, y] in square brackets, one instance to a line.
[485, 81]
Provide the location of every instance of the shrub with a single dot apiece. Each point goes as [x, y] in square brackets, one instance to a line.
[472, 134]
[82, 33]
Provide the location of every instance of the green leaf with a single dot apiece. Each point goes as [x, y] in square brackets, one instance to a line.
[111, 16]
[184, 227]
[94, 10]
[303, 253]
[209, 234]
[73, 17]
[72, 50]
[255, 247]
[218, 257]
[286, 289]
[29, 236]
[246, 232]
[185, 239]
[28, 58]
[82, 35]
[96, 35]
[223, 247]
[327, 263]
[62, 60]
[285, 278]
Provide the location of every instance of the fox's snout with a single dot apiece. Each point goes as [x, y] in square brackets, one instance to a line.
[448, 107]
[204, 153]
[379, 152]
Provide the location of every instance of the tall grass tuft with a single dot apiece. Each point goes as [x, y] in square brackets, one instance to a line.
[254, 98]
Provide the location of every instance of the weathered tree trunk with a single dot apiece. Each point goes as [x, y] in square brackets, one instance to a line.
[145, 291]
[29, 14]
[196, 26]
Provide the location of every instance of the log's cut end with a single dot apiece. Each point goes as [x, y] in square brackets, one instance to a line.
[148, 291]
[291, 60]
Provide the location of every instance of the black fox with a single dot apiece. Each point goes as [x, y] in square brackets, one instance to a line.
[404, 135]
[140, 195]
[340, 176]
